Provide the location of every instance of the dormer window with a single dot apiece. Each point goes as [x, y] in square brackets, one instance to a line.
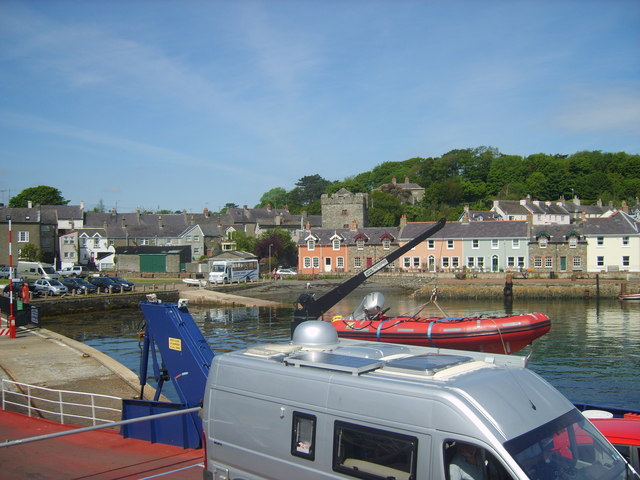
[311, 244]
[336, 244]
[542, 242]
[386, 244]
[573, 242]
[360, 244]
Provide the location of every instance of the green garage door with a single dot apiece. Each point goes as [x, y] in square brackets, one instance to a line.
[153, 263]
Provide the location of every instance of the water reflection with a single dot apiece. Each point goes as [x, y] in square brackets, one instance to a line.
[591, 354]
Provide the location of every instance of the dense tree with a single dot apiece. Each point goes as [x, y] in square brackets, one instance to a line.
[308, 189]
[30, 252]
[245, 242]
[276, 197]
[277, 242]
[476, 176]
[41, 195]
[385, 209]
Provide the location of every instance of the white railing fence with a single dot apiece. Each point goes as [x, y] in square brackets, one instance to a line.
[62, 406]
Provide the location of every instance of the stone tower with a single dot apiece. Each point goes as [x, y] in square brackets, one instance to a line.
[343, 208]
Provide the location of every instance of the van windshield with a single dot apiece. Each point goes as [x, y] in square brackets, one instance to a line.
[48, 270]
[217, 268]
[568, 447]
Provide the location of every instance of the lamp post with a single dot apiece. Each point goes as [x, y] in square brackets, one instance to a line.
[12, 318]
[270, 245]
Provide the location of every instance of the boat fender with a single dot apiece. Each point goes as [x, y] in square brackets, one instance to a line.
[379, 330]
[429, 331]
[336, 318]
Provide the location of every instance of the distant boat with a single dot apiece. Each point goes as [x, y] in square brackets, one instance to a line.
[507, 334]
[629, 296]
[194, 282]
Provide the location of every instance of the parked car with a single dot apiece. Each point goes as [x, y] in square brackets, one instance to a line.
[126, 285]
[4, 272]
[283, 272]
[79, 285]
[50, 287]
[105, 284]
[17, 289]
[74, 271]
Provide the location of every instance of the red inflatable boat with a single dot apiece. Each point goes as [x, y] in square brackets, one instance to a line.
[507, 334]
[482, 334]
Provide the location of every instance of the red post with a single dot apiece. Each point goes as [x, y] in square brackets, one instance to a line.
[12, 318]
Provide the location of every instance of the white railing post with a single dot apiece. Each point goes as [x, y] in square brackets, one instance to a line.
[93, 408]
[60, 407]
[29, 400]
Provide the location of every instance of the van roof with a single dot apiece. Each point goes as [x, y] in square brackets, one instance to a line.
[396, 379]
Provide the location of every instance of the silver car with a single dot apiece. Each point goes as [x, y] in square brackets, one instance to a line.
[50, 287]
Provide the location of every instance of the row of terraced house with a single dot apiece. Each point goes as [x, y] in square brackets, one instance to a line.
[544, 237]
[541, 237]
[594, 245]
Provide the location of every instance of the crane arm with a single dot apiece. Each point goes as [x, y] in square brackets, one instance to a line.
[309, 308]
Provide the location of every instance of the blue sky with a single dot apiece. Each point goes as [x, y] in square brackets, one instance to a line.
[191, 104]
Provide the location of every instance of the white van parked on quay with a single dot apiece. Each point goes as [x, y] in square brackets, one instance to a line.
[31, 271]
[324, 408]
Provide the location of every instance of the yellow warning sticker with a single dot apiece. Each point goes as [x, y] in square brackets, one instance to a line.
[175, 344]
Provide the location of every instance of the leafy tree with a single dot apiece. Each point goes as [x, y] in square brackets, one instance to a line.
[245, 242]
[283, 249]
[41, 195]
[227, 206]
[308, 189]
[385, 209]
[276, 197]
[30, 252]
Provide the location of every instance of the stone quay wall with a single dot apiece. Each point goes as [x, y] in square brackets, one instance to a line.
[422, 284]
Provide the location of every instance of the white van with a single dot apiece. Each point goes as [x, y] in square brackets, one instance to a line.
[324, 408]
[31, 271]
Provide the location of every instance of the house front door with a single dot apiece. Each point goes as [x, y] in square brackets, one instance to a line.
[327, 264]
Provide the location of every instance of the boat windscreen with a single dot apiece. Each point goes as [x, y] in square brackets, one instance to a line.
[568, 447]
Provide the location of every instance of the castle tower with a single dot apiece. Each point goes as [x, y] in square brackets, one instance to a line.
[341, 209]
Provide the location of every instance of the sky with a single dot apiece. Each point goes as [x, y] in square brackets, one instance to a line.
[193, 104]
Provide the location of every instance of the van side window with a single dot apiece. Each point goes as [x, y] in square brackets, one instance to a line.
[303, 435]
[373, 454]
[465, 461]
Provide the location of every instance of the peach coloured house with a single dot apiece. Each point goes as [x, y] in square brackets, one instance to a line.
[344, 250]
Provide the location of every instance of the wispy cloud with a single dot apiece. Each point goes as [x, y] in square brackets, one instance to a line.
[591, 111]
[160, 155]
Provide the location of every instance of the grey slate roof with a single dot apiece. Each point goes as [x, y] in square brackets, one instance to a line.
[29, 215]
[557, 233]
[65, 212]
[373, 235]
[458, 230]
[122, 225]
[512, 207]
[617, 224]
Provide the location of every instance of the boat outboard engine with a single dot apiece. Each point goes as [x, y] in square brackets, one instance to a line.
[371, 304]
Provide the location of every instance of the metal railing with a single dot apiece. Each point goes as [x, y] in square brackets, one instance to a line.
[63, 406]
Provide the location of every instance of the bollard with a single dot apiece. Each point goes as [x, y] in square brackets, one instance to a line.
[508, 287]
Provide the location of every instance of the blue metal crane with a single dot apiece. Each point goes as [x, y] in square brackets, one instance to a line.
[185, 359]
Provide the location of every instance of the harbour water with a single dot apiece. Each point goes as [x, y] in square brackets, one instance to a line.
[591, 354]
